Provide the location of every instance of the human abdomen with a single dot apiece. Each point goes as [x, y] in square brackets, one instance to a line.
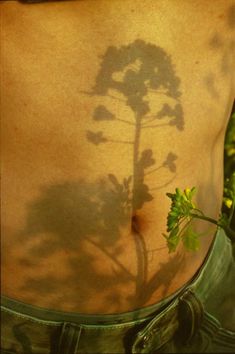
[98, 125]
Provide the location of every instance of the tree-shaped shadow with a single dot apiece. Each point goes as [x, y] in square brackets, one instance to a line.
[78, 213]
[133, 72]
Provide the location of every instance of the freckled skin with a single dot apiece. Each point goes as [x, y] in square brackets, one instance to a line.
[107, 106]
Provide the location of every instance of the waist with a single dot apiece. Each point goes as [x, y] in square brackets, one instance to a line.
[109, 330]
[100, 278]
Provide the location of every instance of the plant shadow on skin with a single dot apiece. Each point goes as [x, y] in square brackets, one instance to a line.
[226, 47]
[85, 219]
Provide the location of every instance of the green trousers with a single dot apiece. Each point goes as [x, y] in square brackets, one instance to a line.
[199, 318]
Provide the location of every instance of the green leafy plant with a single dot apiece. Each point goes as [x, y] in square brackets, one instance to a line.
[183, 211]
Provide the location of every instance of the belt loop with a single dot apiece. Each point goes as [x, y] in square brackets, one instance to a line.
[69, 338]
[190, 315]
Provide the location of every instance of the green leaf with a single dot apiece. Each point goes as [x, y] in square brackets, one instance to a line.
[173, 239]
[172, 244]
[191, 240]
[170, 195]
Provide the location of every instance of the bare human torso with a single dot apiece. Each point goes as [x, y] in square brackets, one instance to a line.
[106, 106]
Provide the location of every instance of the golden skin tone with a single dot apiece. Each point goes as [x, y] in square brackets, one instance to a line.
[69, 240]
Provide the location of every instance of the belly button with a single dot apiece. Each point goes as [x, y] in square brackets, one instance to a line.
[134, 223]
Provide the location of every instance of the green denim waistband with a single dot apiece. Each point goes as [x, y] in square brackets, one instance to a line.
[202, 282]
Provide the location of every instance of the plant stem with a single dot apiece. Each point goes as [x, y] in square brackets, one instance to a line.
[226, 228]
[203, 217]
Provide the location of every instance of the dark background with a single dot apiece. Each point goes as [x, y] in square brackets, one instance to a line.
[229, 155]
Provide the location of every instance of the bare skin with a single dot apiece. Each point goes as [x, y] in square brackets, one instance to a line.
[106, 106]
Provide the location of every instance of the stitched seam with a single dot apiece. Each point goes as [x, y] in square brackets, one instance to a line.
[52, 324]
[103, 328]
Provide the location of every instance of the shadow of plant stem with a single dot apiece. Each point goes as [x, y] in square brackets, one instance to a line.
[133, 71]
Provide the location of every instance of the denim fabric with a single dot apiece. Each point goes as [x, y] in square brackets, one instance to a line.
[199, 318]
